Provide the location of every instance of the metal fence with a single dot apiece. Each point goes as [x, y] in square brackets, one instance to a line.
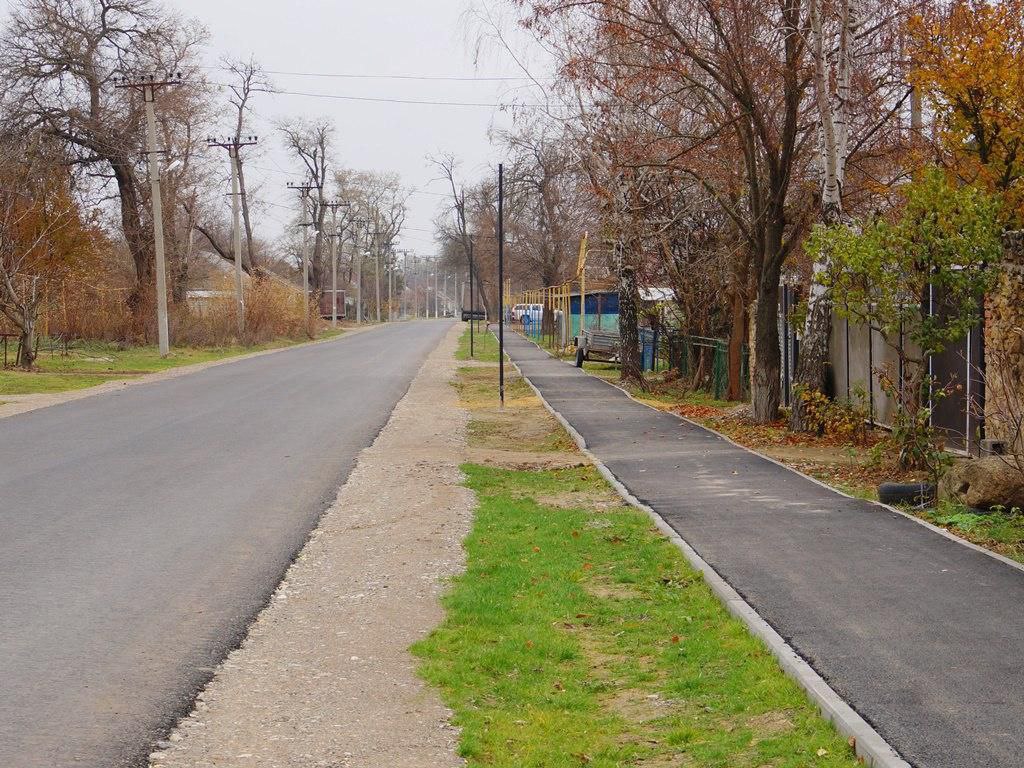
[702, 357]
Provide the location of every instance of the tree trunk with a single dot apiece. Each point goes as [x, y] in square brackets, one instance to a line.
[137, 235]
[629, 330]
[27, 344]
[766, 391]
[737, 335]
[247, 222]
[738, 329]
[813, 364]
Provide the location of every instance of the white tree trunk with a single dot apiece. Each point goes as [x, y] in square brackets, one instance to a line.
[834, 130]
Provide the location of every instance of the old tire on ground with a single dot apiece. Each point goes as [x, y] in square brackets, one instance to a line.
[580, 357]
[906, 493]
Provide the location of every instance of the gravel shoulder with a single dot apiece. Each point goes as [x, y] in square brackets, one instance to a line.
[324, 677]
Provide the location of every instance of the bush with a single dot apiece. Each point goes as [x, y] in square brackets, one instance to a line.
[847, 421]
[272, 311]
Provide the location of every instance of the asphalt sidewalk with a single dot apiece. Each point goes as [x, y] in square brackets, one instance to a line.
[920, 634]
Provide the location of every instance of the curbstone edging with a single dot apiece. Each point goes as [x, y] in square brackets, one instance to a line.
[868, 744]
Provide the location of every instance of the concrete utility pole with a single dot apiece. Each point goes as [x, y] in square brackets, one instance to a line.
[149, 85]
[335, 235]
[304, 190]
[437, 295]
[447, 300]
[359, 225]
[405, 284]
[415, 289]
[233, 145]
[391, 286]
[376, 268]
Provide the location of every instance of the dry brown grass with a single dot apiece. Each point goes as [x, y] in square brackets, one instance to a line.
[272, 311]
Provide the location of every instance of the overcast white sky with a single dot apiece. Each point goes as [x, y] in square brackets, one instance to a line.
[426, 38]
[393, 37]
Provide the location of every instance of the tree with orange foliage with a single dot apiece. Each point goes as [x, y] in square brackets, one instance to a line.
[969, 65]
[42, 236]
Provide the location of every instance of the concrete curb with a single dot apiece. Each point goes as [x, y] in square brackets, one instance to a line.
[869, 745]
[889, 508]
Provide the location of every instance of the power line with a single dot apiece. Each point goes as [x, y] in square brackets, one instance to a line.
[384, 100]
[428, 78]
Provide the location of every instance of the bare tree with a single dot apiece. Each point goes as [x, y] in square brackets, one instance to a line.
[380, 201]
[309, 142]
[249, 80]
[453, 225]
[58, 61]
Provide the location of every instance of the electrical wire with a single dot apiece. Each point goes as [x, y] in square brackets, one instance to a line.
[385, 100]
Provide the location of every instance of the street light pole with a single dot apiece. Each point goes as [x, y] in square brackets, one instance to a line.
[501, 284]
[472, 300]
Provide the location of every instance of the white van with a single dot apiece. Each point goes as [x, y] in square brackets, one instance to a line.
[533, 311]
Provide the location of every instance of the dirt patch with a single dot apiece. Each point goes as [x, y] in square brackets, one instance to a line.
[769, 724]
[608, 591]
[597, 501]
[666, 761]
[523, 428]
[639, 706]
[525, 460]
[324, 677]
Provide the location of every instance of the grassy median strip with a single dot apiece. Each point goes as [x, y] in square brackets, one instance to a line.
[579, 636]
[485, 345]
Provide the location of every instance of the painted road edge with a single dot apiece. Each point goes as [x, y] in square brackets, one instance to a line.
[868, 744]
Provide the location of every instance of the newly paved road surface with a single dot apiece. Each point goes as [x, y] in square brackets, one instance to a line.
[141, 530]
[923, 636]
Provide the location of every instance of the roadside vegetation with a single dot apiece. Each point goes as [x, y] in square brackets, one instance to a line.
[86, 364]
[485, 345]
[579, 636]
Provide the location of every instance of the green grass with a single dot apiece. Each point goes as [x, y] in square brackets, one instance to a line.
[579, 636]
[485, 345]
[90, 363]
[22, 383]
[1001, 530]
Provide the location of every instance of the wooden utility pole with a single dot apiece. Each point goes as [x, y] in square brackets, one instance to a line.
[149, 85]
[233, 145]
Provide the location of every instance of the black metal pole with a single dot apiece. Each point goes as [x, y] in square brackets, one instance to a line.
[472, 300]
[501, 283]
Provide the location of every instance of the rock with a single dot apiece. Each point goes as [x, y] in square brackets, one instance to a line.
[984, 483]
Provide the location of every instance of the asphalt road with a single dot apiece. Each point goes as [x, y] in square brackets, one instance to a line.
[920, 634]
[141, 530]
